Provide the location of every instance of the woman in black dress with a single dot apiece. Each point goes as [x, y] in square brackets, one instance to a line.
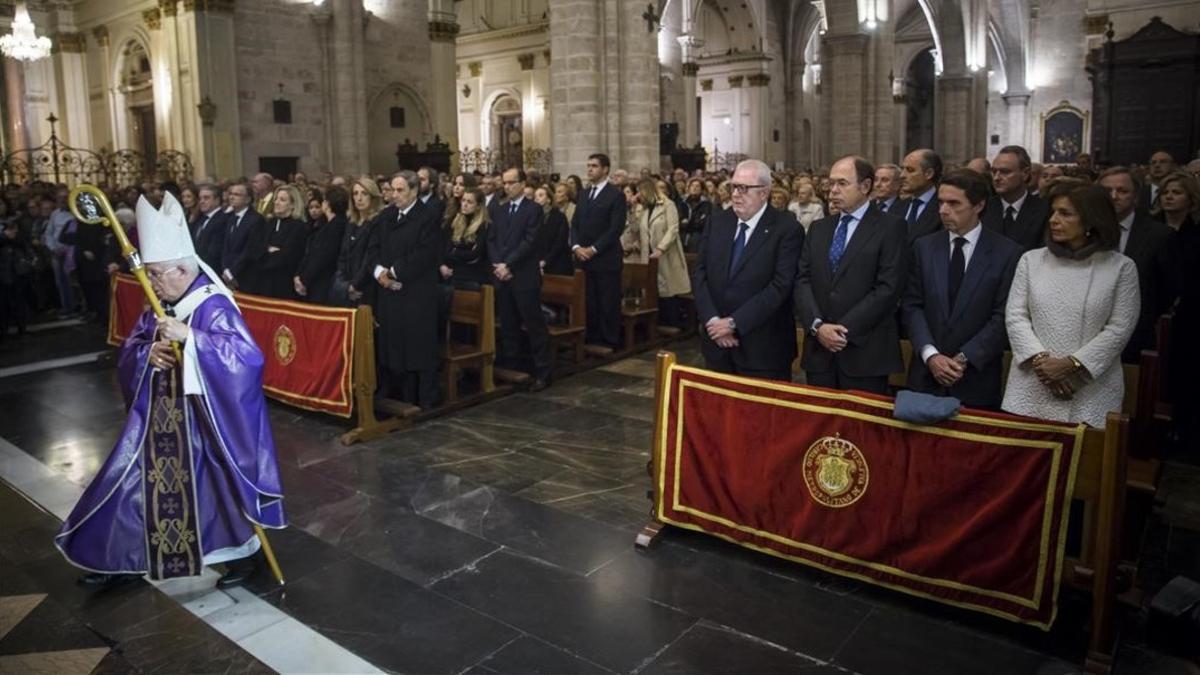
[554, 241]
[465, 263]
[353, 283]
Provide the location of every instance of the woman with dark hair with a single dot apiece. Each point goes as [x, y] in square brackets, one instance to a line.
[465, 263]
[576, 186]
[554, 240]
[314, 281]
[1071, 308]
[694, 216]
[353, 284]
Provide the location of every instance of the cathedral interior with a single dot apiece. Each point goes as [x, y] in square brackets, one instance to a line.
[499, 537]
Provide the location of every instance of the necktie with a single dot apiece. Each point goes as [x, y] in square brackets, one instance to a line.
[838, 247]
[1010, 219]
[739, 246]
[914, 209]
[958, 267]
[512, 209]
[203, 224]
[592, 195]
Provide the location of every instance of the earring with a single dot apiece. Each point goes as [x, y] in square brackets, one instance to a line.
[1089, 233]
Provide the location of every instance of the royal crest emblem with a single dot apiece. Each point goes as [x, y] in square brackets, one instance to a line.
[835, 472]
[285, 345]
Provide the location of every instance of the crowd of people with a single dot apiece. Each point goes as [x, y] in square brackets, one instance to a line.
[1068, 266]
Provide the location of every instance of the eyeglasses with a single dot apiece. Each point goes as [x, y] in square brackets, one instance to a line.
[741, 189]
[159, 276]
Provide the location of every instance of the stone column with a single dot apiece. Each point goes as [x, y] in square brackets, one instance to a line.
[14, 100]
[70, 78]
[321, 18]
[214, 88]
[578, 96]
[349, 103]
[443, 28]
[689, 127]
[109, 125]
[844, 96]
[1017, 104]
[172, 134]
[638, 87]
[955, 112]
[759, 99]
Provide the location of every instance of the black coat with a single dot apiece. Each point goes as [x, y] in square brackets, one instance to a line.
[411, 248]
[757, 293]
[469, 259]
[599, 223]
[554, 242]
[929, 220]
[863, 295]
[974, 325]
[512, 240]
[1151, 246]
[239, 237]
[274, 271]
[94, 249]
[208, 234]
[353, 265]
[319, 264]
[1029, 228]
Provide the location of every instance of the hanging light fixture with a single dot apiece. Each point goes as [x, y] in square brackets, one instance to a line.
[23, 43]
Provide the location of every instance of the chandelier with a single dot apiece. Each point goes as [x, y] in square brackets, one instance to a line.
[22, 43]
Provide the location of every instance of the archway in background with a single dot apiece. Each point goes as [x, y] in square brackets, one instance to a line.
[919, 85]
[508, 139]
[134, 105]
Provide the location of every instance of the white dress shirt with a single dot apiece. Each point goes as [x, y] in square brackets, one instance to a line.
[1015, 205]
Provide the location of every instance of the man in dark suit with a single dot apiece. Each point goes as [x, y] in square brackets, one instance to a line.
[745, 271]
[852, 272]
[1149, 244]
[954, 302]
[404, 248]
[595, 241]
[511, 249]
[1161, 164]
[243, 223]
[428, 178]
[919, 175]
[208, 230]
[887, 190]
[1013, 211]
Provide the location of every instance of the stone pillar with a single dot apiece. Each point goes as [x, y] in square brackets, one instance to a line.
[172, 135]
[349, 102]
[214, 88]
[14, 100]
[689, 127]
[604, 84]
[321, 18]
[104, 131]
[758, 98]
[955, 113]
[1017, 104]
[443, 29]
[70, 78]
[844, 96]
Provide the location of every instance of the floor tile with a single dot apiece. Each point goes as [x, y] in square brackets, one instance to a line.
[710, 650]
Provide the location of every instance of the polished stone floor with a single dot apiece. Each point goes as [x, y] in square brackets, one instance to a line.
[498, 539]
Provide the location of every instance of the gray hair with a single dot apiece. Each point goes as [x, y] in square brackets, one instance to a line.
[188, 265]
[410, 178]
[890, 167]
[759, 167]
[209, 188]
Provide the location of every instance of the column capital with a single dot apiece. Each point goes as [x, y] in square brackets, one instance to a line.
[1016, 97]
[215, 6]
[735, 81]
[526, 60]
[690, 68]
[442, 31]
[854, 43]
[152, 18]
[758, 80]
[68, 43]
[101, 35]
[706, 84]
[476, 68]
[168, 7]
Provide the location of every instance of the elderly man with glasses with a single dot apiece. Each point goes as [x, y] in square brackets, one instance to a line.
[743, 281]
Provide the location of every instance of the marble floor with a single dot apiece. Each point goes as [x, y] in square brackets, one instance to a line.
[495, 540]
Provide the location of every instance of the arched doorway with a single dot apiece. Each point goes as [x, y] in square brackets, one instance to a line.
[397, 115]
[507, 136]
[919, 85]
[136, 86]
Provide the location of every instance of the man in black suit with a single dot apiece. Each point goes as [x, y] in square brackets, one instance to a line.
[208, 230]
[1149, 244]
[1013, 211]
[852, 272]
[887, 190]
[404, 249]
[1161, 164]
[511, 249]
[595, 241]
[745, 271]
[954, 302]
[428, 177]
[242, 224]
[919, 175]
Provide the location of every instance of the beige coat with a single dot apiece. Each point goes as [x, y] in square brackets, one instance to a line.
[662, 223]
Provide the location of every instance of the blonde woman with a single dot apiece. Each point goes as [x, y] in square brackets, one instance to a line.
[660, 222]
[634, 238]
[465, 263]
[353, 284]
[281, 247]
[564, 199]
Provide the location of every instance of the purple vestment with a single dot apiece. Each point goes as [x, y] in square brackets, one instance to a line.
[190, 474]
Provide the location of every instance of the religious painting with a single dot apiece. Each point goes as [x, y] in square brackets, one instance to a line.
[1063, 133]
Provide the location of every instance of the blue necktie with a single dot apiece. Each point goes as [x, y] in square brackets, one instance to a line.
[739, 246]
[913, 210]
[512, 210]
[838, 247]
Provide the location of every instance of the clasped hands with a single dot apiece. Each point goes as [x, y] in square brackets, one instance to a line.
[501, 272]
[832, 336]
[720, 331]
[388, 281]
[946, 371]
[584, 253]
[1053, 372]
[162, 351]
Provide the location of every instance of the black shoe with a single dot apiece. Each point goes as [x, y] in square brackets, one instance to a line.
[539, 384]
[99, 579]
[238, 571]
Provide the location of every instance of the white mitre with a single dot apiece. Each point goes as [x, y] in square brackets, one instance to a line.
[163, 236]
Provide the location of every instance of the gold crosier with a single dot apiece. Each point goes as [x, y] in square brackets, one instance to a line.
[90, 205]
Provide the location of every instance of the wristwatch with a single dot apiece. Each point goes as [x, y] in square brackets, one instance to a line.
[816, 325]
[732, 325]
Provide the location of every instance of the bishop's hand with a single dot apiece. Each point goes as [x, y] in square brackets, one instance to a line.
[172, 329]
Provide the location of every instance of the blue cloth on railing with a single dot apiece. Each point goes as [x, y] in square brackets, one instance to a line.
[918, 408]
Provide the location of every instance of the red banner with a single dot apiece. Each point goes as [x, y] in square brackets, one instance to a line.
[971, 512]
[308, 349]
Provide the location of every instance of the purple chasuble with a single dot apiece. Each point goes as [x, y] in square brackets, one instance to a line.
[190, 474]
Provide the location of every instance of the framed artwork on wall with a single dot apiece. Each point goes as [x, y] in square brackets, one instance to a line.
[1064, 133]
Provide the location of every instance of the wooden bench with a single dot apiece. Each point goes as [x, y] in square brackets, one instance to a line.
[569, 294]
[477, 310]
[639, 300]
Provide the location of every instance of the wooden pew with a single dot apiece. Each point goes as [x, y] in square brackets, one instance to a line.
[639, 300]
[567, 293]
[476, 309]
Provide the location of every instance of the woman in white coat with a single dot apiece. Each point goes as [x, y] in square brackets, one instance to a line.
[1071, 309]
[661, 224]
